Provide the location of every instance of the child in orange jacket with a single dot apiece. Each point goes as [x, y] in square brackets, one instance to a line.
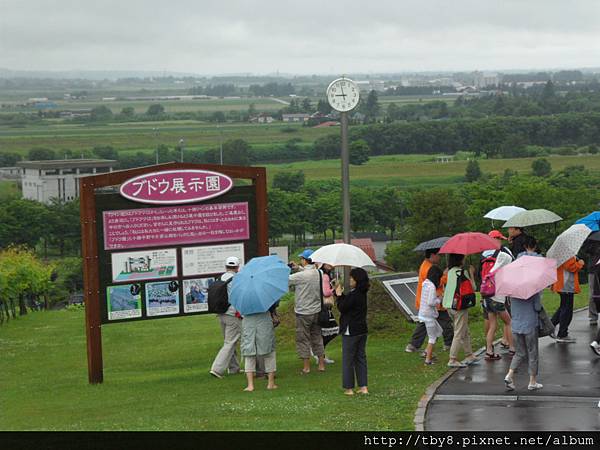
[567, 285]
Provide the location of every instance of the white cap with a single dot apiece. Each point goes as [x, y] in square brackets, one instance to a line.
[232, 261]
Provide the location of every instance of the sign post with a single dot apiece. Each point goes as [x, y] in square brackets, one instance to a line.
[343, 96]
[154, 239]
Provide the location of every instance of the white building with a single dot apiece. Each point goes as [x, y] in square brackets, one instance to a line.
[10, 173]
[58, 179]
[298, 117]
[483, 80]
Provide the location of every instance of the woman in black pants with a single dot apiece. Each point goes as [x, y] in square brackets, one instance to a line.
[353, 328]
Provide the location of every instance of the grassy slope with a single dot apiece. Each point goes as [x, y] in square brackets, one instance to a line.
[156, 377]
[410, 170]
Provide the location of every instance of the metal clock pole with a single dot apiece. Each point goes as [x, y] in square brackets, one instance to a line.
[345, 192]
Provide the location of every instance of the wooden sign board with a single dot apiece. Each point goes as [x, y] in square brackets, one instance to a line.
[155, 238]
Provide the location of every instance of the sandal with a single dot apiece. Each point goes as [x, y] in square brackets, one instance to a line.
[504, 345]
[511, 353]
[304, 372]
[492, 357]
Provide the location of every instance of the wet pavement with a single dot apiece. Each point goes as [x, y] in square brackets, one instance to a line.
[475, 398]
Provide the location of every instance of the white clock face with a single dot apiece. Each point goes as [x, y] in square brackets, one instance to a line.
[342, 94]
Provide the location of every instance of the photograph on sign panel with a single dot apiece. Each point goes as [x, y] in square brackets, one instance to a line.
[195, 294]
[144, 265]
[209, 259]
[124, 301]
[162, 298]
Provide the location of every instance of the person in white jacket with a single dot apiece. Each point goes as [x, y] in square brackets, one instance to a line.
[428, 312]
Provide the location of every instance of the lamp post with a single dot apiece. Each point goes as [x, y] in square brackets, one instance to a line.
[220, 142]
[155, 130]
[181, 145]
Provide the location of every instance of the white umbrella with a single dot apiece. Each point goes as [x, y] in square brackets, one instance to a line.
[342, 255]
[531, 218]
[568, 243]
[503, 212]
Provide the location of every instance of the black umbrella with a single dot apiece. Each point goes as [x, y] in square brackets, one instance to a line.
[429, 245]
[595, 236]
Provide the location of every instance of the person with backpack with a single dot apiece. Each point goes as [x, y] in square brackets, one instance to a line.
[428, 311]
[525, 323]
[432, 258]
[459, 296]
[567, 285]
[493, 305]
[506, 341]
[332, 329]
[229, 319]
[307, 282]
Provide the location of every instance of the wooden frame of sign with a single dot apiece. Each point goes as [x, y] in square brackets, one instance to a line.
[91, 251]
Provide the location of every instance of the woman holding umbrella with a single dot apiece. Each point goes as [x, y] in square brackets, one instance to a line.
[353, 328]
[255, 293]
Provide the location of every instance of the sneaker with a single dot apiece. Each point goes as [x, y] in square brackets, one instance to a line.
[509, 383]
[430, 363]
[329, 361]
[411, 349]
[595, 347]
[566, 340]
[535, 387]
[424, 354]
[215, 374]
[316, 358]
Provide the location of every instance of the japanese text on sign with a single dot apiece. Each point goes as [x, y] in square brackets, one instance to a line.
[174, 225]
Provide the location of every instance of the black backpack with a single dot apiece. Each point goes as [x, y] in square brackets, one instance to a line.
[218, 297]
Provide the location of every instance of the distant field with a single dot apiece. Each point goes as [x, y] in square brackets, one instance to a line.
[140, 136]
[412, 170]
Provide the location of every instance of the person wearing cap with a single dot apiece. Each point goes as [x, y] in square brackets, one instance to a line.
[307, 305]
[231, 326]
[497, 306]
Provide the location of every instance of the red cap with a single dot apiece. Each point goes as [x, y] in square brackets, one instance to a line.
[497, 235]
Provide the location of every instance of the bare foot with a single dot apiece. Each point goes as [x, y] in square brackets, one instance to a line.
[348, 392]
[249, 389]
[272, 387]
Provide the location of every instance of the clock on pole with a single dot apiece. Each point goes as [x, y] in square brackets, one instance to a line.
[343, 96]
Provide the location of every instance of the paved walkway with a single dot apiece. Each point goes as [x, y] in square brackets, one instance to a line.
[475, 398]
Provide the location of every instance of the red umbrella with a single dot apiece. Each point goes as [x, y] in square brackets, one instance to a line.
[469, 243]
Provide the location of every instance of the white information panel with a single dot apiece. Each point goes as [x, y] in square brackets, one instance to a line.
[209, 259]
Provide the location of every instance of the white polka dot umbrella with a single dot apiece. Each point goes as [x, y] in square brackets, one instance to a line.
[568, 243]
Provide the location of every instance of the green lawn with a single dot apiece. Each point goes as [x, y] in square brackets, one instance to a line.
[156, 377]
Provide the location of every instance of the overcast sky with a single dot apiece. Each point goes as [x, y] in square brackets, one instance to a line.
[301, 36]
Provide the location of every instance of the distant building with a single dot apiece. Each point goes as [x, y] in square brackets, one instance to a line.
[58, 179]
[262, 118]
[300, 117]
[10, 173]
[482, 80]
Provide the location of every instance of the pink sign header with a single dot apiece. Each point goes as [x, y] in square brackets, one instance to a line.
[175, 225]
[172, 187]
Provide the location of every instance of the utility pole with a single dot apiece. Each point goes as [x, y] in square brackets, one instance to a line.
[155, 130]
[181, 145]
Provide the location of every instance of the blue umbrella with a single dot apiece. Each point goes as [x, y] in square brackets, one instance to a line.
[592, 221]
[259, 285]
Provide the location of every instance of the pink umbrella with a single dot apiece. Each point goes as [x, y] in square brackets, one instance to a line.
[525, 277]
[469, 243]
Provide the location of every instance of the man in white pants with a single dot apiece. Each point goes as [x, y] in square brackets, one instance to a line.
[231, 325]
